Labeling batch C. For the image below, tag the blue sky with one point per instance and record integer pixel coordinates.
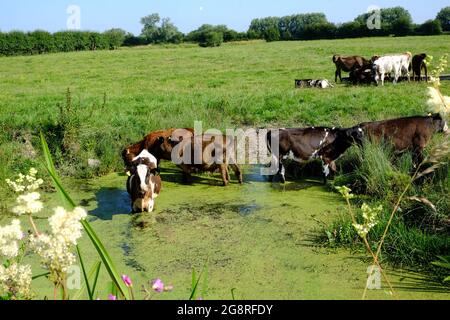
(101, 15)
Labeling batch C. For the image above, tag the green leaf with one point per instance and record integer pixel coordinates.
(40, 276)
(109, 265)
(86, 279)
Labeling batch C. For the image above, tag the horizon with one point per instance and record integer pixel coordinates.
(52, 16)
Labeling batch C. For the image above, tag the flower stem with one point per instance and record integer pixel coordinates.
(33, 225)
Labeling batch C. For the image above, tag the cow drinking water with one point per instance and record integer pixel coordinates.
(144, 183)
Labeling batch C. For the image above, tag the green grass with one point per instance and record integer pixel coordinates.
(239, 84)
(119, 96)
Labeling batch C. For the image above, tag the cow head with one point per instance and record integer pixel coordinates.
(336, 57)
(345, 138)
(440, 124)
(144, 184)
(375, 73)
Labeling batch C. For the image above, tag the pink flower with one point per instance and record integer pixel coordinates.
(127, 281)
(112, 297)
(158, 285)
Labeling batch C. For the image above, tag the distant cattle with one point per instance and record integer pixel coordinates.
(397, 65)
(418, 64)
(306, 144)
(203, 153)
(322, 84)
(144, 183)
(153, 143)
(413, 133)
(348, 64)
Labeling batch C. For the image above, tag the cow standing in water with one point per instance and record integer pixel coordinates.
(307, 144)
(412, 133)
(144, 183)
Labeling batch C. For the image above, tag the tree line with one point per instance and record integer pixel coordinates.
(395, 21)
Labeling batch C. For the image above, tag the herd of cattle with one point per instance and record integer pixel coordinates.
(379, 67)
(302, 145)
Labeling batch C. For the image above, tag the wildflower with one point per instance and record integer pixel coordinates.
(32, 182)
(370, 216)
(438, 102)
(28, 204)
(55, 254)
(9, 235)
(66, 226)
(127, 281)
(112, 297)
(157, 285)
(345, 192)
(15, 280)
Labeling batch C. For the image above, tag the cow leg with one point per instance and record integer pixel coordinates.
(382, 79)
(336, 74)
(225, 174)
(187, 176)
(238, 173)
(282, 173)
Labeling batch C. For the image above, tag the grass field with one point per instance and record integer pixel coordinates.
(119, 96)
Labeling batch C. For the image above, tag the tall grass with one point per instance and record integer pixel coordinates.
(419, 230)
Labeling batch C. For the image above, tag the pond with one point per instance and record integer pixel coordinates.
(258, 239)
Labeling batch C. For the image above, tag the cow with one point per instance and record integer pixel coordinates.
(347, 64)
(396, 64)
(418, 64)
(215, 153)
(322, 84)
(412, 133)
(144, 183)
(306, 144)
(153, 143)
(362, 75)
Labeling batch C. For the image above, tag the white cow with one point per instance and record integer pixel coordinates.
(393, 64)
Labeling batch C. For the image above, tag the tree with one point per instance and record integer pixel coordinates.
(392, 19)
(444, 17)
(211, 39)
(115, 38)
(430, 27)
(169, 33)
(150, 30)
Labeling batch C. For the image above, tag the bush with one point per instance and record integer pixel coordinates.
(211, 39)
(444, 17)
(43, 42)
(115, 38)
(430, 27)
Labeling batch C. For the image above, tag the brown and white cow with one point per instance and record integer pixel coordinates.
(306, 144)
(203, 153)
(412, 133)
(348, 64)
(144, 183)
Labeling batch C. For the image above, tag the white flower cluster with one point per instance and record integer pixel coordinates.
(16, 280)
(55, 249)
(27, 203)
(436, 73)
(32, 183)
(370, 216)
(9, 237)
(438, 102)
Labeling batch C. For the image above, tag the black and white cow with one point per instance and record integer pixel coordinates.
(307, 144)
(144, 182)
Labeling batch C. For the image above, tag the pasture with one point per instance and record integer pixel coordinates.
(251, 237)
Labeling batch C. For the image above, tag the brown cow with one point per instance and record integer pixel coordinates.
(205, 159)
(413, 133)
(418, 64)
(153, 143)
(348, 64)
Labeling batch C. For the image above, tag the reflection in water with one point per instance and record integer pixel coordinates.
(111, 202)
